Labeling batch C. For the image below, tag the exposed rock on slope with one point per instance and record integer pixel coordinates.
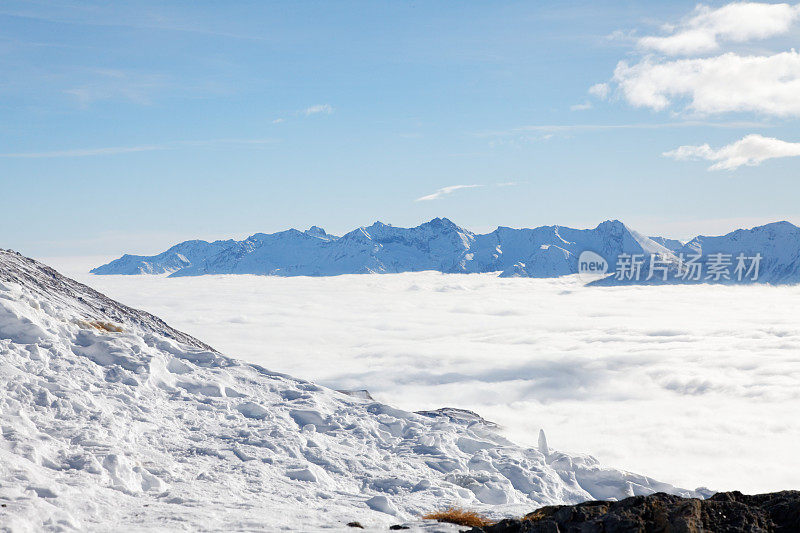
(112, 419)
(725, 512)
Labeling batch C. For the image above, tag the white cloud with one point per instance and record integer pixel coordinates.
(581, 107)
(557, 359)
(736, 22)
(94, 85)
(444, 191)
(550, 129)
(277, 121)
(319, 108)
(751, 150)
(600, 90)
(725, 83)
(767, 83)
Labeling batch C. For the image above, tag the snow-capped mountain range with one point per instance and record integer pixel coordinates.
(437, 245)
(112, 420)
(441, 245)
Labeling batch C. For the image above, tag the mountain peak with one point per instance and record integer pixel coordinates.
(442, 223)
(318, 232)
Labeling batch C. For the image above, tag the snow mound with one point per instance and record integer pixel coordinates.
(111, 419)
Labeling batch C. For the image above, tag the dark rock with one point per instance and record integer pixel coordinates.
(361, 394)
(459, 416)
(355, 524)
(725, 512)
(397, 527)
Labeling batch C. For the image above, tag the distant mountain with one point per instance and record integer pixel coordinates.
(438, 245)
(551, 251)
(178, 257)
(764, 254)
(669, 244)
(778, 243)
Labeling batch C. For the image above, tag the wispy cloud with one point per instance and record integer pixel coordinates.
(444, 191)
(115, 150)
(752, 150)
(326, 109)
(137, 19)
(94, 85)
(568, 128)
(581, 107)
(83, 152)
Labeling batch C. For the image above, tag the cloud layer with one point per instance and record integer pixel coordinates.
(751, 150)
(679, 383)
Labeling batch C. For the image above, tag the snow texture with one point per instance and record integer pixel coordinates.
(112, 420)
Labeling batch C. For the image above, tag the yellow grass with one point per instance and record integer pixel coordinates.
(99, 324)
(460, 517)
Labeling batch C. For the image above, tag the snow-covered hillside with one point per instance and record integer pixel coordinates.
(111, 419)
(438, 245)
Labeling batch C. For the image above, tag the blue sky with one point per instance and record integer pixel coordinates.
(126, 127)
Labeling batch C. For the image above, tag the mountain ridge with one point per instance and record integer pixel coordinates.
(441, 245)
(438, 244)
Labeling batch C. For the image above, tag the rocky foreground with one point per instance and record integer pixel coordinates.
(725, 512)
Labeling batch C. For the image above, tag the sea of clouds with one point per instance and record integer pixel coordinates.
(692, 385)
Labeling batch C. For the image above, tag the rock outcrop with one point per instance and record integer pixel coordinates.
(725, 512)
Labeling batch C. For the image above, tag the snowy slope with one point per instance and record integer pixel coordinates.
(111, 419)
(438, 245)
(669, 244)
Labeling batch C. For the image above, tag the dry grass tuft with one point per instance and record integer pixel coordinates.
(460, 517)
(99, 324)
